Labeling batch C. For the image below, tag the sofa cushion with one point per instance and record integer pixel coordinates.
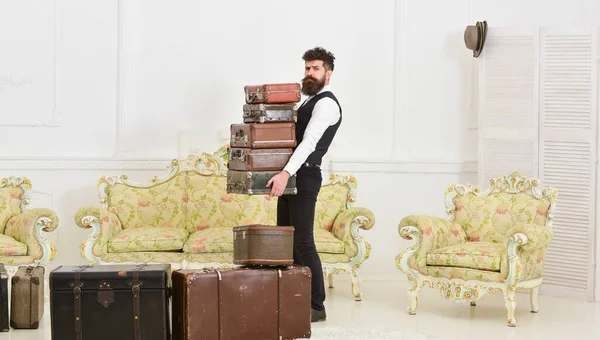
(148, 239)
(488, 218)
(326, 242)
(330, 202)
(11, 247)
(472, 255)
(214, 240)
(162, 205)
(10, 204)
(210, 206)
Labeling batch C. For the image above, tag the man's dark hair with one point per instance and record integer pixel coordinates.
(319, 53)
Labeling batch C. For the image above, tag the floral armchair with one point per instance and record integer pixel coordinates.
(491, 241)
(186, 217)
(21, 238)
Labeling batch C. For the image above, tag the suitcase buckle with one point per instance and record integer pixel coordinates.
(105, 294)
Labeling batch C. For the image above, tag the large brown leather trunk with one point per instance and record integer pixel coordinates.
(263, 136)
(110, 302)
(263, 245)
(246, 159)
(27, 297)
(3, 299)
(255, 183)
(269, 113)
(272, 93)
(242, 303)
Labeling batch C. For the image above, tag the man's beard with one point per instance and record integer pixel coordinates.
(311, 85)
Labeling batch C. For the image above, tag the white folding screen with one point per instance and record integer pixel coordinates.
(538, 109)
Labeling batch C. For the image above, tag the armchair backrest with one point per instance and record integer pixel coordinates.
(14, 192)
(508, 201)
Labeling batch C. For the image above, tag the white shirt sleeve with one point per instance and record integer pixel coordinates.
(325, 113)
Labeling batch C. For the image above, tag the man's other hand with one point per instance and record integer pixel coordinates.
(279, 182)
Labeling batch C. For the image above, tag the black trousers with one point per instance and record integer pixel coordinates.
(298, 211)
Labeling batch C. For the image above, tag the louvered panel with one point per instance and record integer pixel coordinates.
(567, 147)
(508, 117)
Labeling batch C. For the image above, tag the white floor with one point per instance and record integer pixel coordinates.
(384, 307)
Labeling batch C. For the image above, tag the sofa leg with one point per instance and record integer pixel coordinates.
(331, 280)
(473, 303)
(413, 295)
(510, 297)
(533, 298)
(356, 286)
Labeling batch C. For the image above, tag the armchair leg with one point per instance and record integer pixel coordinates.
(331, 280)
(355, 285)
(413, 295)
(510, 296)
(533, 298)
(473, 304)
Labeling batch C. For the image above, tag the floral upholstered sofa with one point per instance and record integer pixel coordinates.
(492, 241)
(186, 218)
(21, 238)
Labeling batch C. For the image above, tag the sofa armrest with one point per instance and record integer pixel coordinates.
(346, 228)
(105, 225)
(428, 234)
(27, 228)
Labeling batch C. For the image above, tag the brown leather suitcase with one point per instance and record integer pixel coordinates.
(4, 327)
(268, 113)
(242, 303)
(246, 159)
(263, 136)
(272, 93)
(263, 245)
(27, 297)
(112, 302)
(255, 183)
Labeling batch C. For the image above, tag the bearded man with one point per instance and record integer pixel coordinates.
(319, 118)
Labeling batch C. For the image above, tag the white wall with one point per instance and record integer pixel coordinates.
(135, 84)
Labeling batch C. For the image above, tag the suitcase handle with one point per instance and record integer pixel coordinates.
(239, 136)
(251, 97)
(239, 155)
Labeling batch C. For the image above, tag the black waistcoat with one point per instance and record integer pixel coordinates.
(304, 115)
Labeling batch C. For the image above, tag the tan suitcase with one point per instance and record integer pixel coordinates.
(266, 245)
(27, 297)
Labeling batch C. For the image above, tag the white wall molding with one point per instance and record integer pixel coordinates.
(125, 119)
(354, 166)
(400, 148)
(53, 118)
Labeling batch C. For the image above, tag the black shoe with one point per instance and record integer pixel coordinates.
(317, 315)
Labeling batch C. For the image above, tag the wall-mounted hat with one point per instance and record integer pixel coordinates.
(475, 37)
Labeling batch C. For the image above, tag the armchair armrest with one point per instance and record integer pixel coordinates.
(105, 225)
(346, 228)
(526, 246)
(535, 236)
(428, 233)
(27, 228)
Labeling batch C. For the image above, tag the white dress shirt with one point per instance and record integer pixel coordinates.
(325, 113)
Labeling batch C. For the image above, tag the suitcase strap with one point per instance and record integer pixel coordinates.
(77, 299)
(135, 290)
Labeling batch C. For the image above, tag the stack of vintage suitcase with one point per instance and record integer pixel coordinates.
(261, 146)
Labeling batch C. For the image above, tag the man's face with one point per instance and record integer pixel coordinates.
(315, 77)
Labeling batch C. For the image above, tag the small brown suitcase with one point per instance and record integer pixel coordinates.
(242, 303)
(263, 136)
(246, 159)
(263, 245)
(268, 113)
(27, 297)
(255, 183)
(272, 93)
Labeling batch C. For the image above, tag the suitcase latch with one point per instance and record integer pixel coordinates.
(105, 294)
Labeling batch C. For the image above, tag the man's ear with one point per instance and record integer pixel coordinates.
(328, 73)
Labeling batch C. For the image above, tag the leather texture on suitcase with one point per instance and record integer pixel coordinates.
(268, 113)
(27, 297)
(4, 327)
(272, 93)
(263, 245)
(255, 183)
(110, 302)
(246, 159)
(242, 303)
(263, 136)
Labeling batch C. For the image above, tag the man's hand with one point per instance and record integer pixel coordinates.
(279, 182)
